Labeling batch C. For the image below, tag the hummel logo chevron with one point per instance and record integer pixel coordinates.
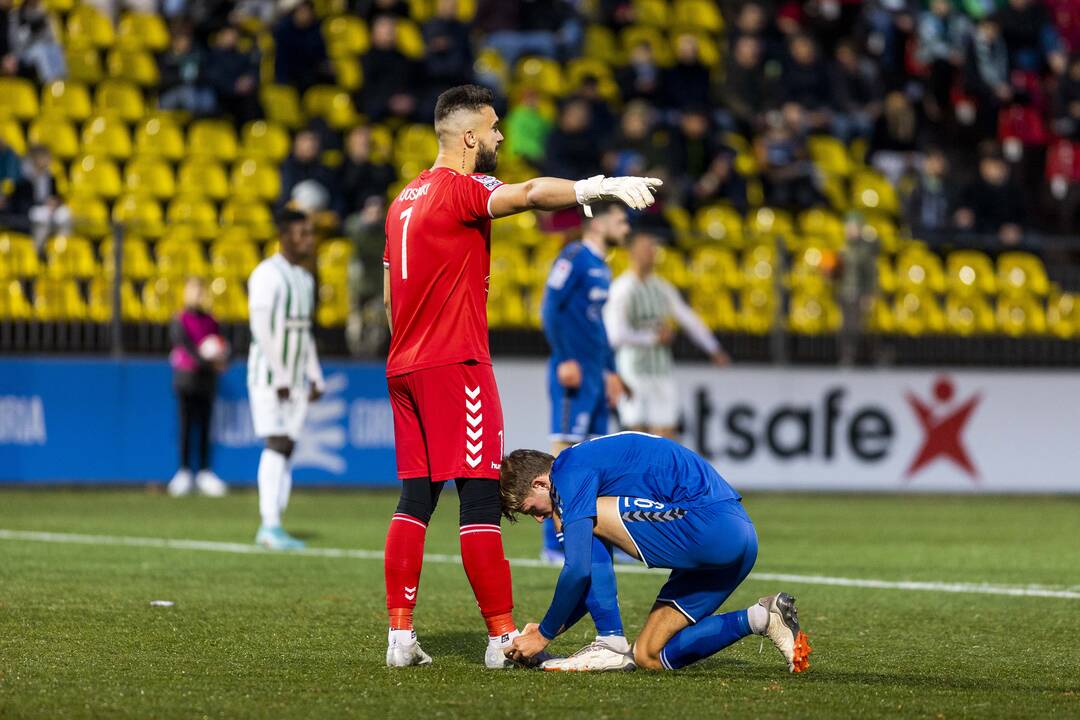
(472, 407)
(474, 434)
(474, 420)
(410, 593)
(473, 461)
(654, 515)
(473, 449)
(472, 393)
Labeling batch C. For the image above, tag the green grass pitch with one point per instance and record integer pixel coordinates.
(291, 636)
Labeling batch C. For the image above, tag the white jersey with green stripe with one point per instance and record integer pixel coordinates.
(284, 293)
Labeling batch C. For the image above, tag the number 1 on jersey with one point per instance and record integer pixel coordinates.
(405, 214)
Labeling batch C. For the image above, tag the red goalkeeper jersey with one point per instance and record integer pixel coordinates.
(438, 252)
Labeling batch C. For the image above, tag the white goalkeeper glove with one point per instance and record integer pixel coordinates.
(636, 192)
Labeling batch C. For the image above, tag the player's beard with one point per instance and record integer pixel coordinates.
(486, 159)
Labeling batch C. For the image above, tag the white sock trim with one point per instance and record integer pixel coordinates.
(271, 469)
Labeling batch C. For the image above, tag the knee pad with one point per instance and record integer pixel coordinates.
(480, 502)
(419, 496)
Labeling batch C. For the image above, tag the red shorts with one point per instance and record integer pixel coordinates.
(448, 423)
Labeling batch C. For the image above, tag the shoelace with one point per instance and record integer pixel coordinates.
(589, 648)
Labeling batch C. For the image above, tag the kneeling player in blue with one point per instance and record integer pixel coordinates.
(667, 507)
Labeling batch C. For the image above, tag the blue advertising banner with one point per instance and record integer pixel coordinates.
(105, 421)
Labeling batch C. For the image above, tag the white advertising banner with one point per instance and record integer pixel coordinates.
(864, 430)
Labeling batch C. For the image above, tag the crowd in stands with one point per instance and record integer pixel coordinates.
(970, 107)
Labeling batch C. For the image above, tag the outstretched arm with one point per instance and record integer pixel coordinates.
(547, 193)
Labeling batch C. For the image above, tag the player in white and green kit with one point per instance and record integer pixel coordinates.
(641, 315)
(283, 367)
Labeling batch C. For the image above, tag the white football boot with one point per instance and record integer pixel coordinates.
(605, 654)
(180, 484)
(784, 631)
(495, 654)
(210, 484)
(402, 650)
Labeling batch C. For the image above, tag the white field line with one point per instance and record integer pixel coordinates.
(250, 549)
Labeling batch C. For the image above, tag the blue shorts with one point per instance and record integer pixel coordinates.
(710, 550)
(580, 413)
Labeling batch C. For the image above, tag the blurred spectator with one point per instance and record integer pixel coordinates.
(9, 63)
(527, 128)
(639, 79)
(806, 81)
(10, 175)
(686, 83)
(35, 50)
(390, 78)
(693, 149)
(234, 75)
(856, 92)
(896, 136)
(508, 28)
(784, 160)
(638, 149)
(449, 56)
(745, 93)
(181, 69)
(720, 183)
(987, 66)
(198, 355)
(928, 209)
(37, 196)
(944, 33)
(991, 204)
(304, 167)
(572, 148)
(603, 119)
(362, 177)
(1030, 36)
(370, 9)
(1066, 102)
(1066, 16)
(300, 56)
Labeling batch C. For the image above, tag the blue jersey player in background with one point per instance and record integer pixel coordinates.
(666, 506)
(581, 373)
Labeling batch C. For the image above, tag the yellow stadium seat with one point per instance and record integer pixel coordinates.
(59, 6)
(348, 73)
(1019, 315)
(194, 212)
(713, 268)
(886, 275)
(1021, 273)
(20, 98)
(918, 313)
(162, 299)
(698, 14)
(101, 297)
(746, 163)
(652, 13)
(159, 137)
(58, 299)
(873, 192)
(417, 142)
(13, 302)
(232, 259)
(137, 31)
(716, 308)
(333, 308)
(270, 248)
(542, 74)
(66, 99)
(671, 265)
(881, 228)
(757, 309)
(346, 36)
(830, 155)
(509, 264)
(333, 258)
(768, 224)
(119, 98)
(720, 223)
(135, 263)
(106, 136)
(968, 314)
(262, 139)
(490, 63)
(203, 177)
(70, 257)
(19, 255)
(809, 268)
(93, 176)
(252, 215)
(601, 43)
(970, 271)
(282, 106)
(332, 104)
(255, 179)
(89, 216)
(212, 139)
(636, 34)
(229, 299)
(89, 27)
(880, 318)
(139, 214)
(178, 259)
(813, 314)
(822, 227)
(137, 66)
(409, 40)
(329, 8)
(150, 175)
(1063, 315)
(12, 135)
(84, 64)
(759, 265)
(919, 270)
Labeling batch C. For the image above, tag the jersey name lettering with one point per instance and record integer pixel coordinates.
(414, 193)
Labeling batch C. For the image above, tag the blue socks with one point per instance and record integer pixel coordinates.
(707, 637)
(603, 597)
(552, 541)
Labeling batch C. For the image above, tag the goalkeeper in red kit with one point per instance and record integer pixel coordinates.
(447, 416)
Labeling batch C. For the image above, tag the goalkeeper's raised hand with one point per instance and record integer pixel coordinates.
(635, 192)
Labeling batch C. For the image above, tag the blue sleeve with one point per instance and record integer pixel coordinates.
(573, 580)
(560, 284)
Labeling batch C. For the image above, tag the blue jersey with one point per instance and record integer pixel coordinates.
(572, 311)
(634, 465)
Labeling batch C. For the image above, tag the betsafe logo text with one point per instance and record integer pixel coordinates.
(836, 424)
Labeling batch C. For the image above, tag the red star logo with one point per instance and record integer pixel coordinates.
(943, 433)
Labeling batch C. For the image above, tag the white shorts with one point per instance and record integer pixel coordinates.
(271, 416)
(653, 403)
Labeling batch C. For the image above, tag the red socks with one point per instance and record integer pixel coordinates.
(489, 574)
(402, 560)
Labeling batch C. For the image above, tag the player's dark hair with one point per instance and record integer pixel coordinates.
(287, 217)
(462, 97)
(600, 209)
(518, 470)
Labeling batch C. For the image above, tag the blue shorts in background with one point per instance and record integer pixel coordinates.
(581, 413)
